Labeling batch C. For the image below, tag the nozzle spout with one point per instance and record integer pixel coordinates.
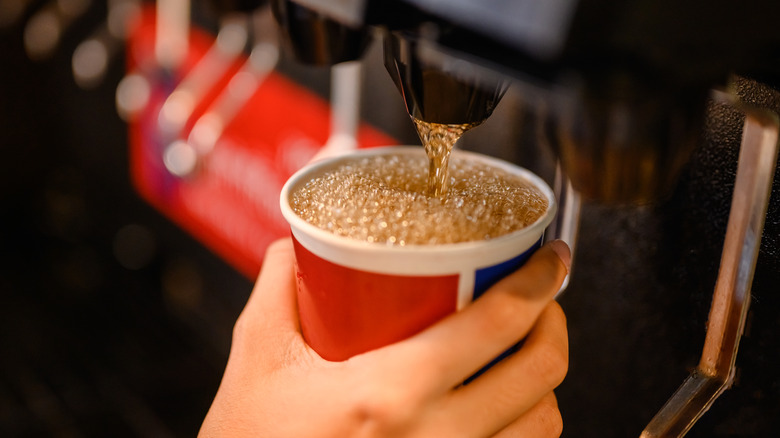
(435, 93)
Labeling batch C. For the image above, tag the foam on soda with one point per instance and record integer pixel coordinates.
(385, 199)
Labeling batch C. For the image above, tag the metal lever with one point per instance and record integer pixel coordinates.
(566, 224)
(345, 88)
(179, 157)
(172, 32)
(730, 300)
(209, 127)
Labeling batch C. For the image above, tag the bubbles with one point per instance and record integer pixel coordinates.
(384, 199)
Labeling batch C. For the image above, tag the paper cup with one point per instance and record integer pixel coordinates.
(356, 296)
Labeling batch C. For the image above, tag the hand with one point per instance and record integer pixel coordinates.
(276, 386)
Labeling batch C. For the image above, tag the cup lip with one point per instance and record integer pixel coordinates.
(327, 238)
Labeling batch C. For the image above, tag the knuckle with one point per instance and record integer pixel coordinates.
(550, 419)
(543, 420)
(383, 410)
(551, 363)
(557, 313)
(507, 314)
(510, 307)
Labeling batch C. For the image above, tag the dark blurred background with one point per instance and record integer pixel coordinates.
(115, 322)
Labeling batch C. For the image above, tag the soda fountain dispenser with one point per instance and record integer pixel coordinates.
(628, 89)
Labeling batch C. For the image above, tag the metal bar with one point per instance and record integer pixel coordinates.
(566, 224)
(172, 32)
(731, 298)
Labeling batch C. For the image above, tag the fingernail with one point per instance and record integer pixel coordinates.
(562, 249)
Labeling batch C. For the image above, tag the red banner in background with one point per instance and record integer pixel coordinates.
(230, 202)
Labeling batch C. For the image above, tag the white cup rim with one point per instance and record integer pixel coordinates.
(344, 249)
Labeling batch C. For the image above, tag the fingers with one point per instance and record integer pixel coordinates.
(462, 343)
(518, 383)
(543, 420)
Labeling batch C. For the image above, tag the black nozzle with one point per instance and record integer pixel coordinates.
(434, 92)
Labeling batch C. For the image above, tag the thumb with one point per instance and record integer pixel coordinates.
(272, 306)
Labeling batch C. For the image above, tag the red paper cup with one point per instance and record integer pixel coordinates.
(355, 296)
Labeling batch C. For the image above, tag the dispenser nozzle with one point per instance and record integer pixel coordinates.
(435, 93)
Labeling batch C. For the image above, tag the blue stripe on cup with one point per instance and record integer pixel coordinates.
(487, 277)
